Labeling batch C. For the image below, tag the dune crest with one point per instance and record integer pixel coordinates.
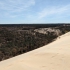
(54, 56)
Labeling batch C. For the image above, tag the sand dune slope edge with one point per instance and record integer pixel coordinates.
(54, 56)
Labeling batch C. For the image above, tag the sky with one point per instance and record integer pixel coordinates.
(34, 11)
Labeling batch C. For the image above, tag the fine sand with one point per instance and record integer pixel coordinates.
(54, 56)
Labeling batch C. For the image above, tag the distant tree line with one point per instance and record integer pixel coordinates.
(20, 40)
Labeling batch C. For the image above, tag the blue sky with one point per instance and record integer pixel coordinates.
(34, 11)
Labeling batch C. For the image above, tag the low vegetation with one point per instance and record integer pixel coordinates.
(18, 40)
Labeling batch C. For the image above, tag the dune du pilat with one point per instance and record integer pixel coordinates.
(35, 47)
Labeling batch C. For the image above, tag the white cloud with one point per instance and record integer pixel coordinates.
(15, 6)
(54, 11)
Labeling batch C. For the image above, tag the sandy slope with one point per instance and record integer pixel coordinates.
(54, 56)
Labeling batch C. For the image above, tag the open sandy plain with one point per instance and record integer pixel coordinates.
(54, 56)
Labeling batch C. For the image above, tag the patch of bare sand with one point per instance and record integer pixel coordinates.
(54, 56)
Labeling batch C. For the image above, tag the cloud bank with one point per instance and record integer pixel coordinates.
(15, 7)
(54, 11)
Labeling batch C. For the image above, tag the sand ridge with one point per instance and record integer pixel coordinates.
(54, 56)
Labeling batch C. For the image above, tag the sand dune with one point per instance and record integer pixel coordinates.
(54, 56)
